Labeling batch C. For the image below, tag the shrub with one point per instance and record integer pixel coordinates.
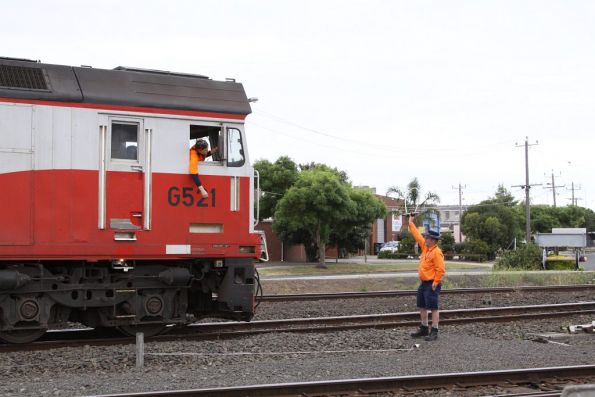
(459, 247)
(557, 262)
(475, 250)
(560, 265)
(384, 255)
(526, 257)
(447, 243)
(394, 255)
(407, 242)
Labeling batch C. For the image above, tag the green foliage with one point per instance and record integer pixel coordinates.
(394, 255)
(447, 242)
(352, 231)
(544, 218)
(459, 247)
(561, 265)
(475, 250)
(407, 243)
(413, 199)
(309, 209)
(323, 167)
(527, 257)
(385, 255)
(275, 179)
(495, 222)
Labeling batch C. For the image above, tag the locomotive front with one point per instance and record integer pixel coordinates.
(101, 223)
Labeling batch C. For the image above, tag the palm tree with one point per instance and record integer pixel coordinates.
(411, 198)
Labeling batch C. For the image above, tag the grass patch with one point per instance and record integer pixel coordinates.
(348, 268)
(497, 279)
(517, 279)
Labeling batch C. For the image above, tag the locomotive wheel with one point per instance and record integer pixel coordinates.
(22, 335)
(147, 329)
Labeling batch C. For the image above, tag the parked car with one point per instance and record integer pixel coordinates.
(390, 246)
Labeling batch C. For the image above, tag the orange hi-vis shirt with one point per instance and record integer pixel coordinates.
(431, 260)
(195, 157)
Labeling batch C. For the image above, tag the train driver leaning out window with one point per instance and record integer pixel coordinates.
(199, 152)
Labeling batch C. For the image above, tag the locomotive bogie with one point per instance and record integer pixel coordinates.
(97, 295)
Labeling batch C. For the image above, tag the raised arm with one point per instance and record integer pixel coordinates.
(416, 234)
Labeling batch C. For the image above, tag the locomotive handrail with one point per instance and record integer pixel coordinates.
(102, 172)
(148, 180)
(257, 177)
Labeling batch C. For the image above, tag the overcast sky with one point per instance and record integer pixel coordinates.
(385, 90)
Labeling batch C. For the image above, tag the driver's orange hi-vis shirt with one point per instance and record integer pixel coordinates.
(195, 158)
(431, 260)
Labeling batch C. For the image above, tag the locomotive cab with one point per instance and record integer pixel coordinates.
(102, 223)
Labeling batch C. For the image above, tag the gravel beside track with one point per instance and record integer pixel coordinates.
(354, 306)
(286, 357)
(291, 357)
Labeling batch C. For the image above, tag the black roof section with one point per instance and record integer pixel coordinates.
(25, 79)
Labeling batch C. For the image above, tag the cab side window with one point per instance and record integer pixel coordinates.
(124, 141)
(211, 134)
(235, 149)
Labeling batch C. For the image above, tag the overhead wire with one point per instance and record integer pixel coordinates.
(367, 145)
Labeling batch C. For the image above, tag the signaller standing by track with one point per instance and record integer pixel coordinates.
(431, 271)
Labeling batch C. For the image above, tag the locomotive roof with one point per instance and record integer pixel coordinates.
(26, 79)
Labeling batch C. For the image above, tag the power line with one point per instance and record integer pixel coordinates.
(392, 149)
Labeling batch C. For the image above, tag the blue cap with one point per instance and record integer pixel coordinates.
(432, 234)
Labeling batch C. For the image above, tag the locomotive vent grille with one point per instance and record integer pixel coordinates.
(22, 77)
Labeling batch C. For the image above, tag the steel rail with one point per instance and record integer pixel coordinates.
(221, 330)
(377, 294)
(385, 384)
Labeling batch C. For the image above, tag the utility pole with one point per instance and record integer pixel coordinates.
(460, 209)
(573, 199)
(553, 187)
(527, 187)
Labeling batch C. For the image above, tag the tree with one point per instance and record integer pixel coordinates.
(495, 221)
(544, 218)
(311, 207)
(319, 166)
(355, 229)
(447, 243)
(275, 179)
(413, 199)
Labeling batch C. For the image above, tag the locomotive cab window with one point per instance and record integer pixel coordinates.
(235, 149)
(213, 136)
(124, 141)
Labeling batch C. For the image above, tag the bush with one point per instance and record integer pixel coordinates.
(558, 262)
(407, 242)
(394, 255)
(526, 257)
(459, 248)
(447, 243)
(384, 255)
(475, 250)
(560, 265)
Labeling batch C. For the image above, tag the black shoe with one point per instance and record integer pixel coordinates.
(423, 331)
(433, 335)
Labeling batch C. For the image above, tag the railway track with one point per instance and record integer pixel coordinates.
(536, 382)
(377, 294)
(210, 331)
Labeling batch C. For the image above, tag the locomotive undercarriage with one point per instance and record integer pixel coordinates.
(131, 296)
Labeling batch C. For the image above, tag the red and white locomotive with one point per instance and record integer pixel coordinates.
(100, 222)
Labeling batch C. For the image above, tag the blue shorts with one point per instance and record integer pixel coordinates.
(426, 297)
